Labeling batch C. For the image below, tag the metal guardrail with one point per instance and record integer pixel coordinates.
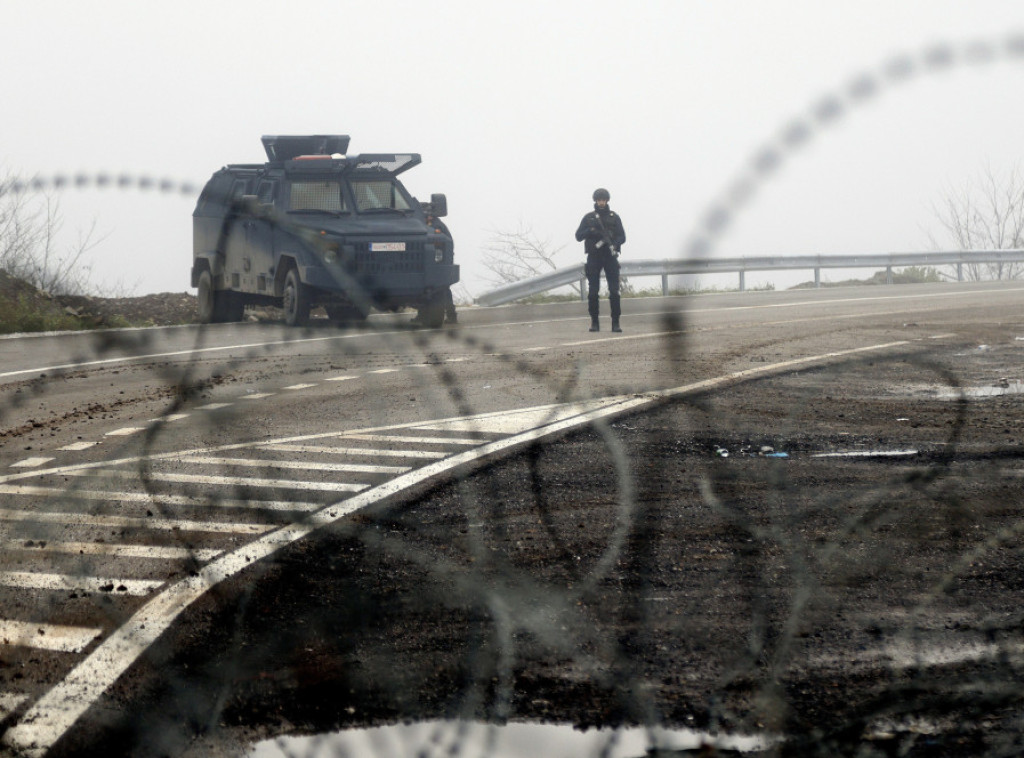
(681, 266)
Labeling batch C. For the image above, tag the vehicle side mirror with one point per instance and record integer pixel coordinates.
(440, 204)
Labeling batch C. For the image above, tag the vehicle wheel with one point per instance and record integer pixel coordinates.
(207, 298)
(296, 300)
(431, 315)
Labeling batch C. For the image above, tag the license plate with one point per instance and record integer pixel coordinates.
(387, 247)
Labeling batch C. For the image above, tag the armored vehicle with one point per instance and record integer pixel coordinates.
(316, 227)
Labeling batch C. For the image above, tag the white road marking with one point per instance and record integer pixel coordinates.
(62, 639)
(85, 519)
(299, 386)
(157, 501)
(213, 406)
(384, 371)
(513, 422)
(157, 552)
(867, 454)
(340, 378)
(231, 481)
(78, 446)
(31, 462)
(166, 419)
(125, 431)
(368, 451)
(422, 440)
(366, 468)
(257, 396)
(55, 712)
(31, 580)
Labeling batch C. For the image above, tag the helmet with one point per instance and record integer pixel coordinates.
(601, 194)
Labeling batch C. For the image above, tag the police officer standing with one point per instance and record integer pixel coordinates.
(602, 236)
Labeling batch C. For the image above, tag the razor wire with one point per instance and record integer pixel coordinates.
(508, 597)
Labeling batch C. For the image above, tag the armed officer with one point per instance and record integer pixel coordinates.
(602, 235)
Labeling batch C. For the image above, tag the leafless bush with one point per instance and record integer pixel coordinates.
(30, 248)
(987, 214)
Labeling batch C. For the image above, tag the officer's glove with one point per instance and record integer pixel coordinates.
(600, 244)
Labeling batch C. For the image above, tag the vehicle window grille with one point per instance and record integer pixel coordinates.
(407, 262)
(316, 196)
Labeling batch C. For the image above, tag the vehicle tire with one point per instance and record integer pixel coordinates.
(207, 298)
(295, 300)
(431, 315)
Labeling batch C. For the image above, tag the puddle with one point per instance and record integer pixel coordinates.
(433, 739)
(944, 392)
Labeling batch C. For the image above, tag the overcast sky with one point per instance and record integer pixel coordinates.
(521, 109)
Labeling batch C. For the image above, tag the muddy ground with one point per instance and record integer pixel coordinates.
(693, 566)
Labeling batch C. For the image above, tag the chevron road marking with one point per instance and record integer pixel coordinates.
(57, 710)
(63, 639)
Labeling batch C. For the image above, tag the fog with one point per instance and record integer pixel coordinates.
(520, 110)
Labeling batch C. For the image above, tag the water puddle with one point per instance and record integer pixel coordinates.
(433, 739)
(999, 388)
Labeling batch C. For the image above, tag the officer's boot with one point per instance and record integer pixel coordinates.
(595, 325)
(615, 325)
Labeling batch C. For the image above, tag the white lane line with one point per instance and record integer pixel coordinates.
(158, 502)
(365, 468)
(213, 406)
(117, 550)
(384, 371)
(62, 639)
(29, 580)
(9, 701)
(423, 440)
(232, 481)
(257, 396)
(31, 462)
(340, 378)
(85, 519)
(125, 431)
(56, 711)
(167, 419)
(299, 386)
(74, 446)
(367, 451)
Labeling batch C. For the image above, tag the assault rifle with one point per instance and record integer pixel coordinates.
(606, 237)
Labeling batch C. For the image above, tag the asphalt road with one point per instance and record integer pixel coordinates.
(140, 467)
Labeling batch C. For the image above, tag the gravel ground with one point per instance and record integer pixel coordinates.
(694, 566)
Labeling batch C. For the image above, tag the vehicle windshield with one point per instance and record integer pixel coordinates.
(316, 195)
(378, 195)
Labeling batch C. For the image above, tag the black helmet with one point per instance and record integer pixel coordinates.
(601, 194)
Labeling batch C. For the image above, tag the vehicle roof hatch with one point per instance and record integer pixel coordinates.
(289, 147)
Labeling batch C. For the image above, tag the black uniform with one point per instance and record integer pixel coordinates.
(602, 256)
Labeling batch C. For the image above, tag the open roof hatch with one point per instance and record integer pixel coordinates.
(286, 147)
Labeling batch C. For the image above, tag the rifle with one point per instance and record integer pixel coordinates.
(607, 238)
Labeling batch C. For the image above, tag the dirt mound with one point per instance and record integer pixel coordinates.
(162, 309)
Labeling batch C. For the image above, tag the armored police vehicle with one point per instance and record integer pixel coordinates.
(316, 227)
